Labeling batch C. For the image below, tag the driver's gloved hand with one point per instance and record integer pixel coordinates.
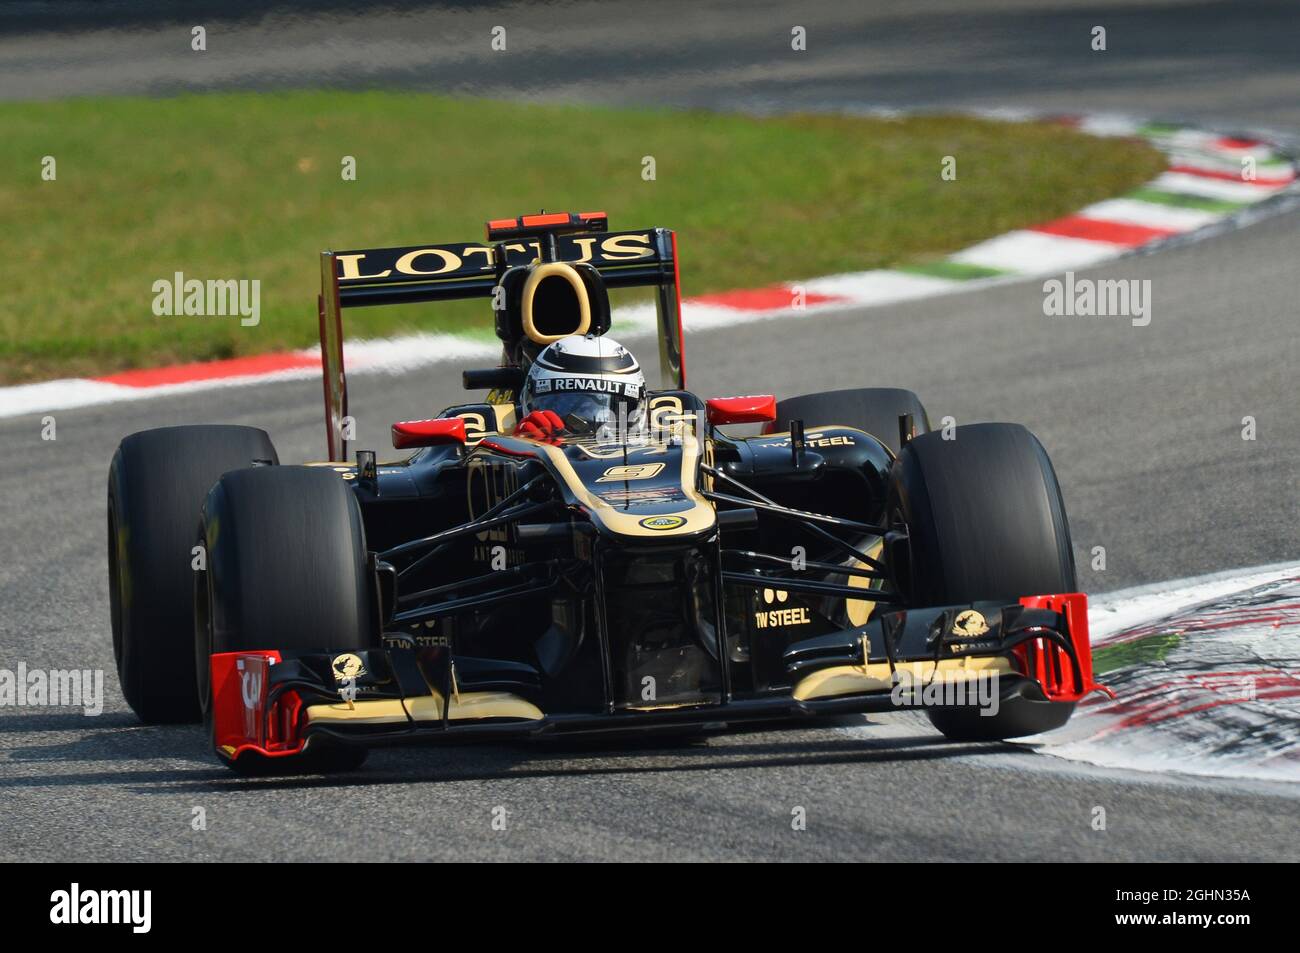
(543, 425)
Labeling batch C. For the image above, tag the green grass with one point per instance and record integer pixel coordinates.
(248, 186)
(1147, 650)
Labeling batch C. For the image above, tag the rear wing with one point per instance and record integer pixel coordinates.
(445, 272)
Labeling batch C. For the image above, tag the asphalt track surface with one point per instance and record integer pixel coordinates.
(1142, 423)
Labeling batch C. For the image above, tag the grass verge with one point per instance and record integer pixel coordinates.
(247, 185)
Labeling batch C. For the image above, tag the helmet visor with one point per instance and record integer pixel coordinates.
(586, 412)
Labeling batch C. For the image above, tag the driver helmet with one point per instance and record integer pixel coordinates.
(592, 383)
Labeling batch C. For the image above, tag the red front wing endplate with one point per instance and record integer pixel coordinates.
(1048, 663)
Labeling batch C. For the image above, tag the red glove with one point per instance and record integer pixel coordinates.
(541, 425)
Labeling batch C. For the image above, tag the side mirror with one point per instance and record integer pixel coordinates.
(742, 410)
(428, 433)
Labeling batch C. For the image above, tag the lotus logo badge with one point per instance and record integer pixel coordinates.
(659, 523)
(347, 666)
(970, 623)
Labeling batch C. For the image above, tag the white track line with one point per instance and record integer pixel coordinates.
(1149, 214)
(1111, 613)
(1026, 252)
(1212, 188)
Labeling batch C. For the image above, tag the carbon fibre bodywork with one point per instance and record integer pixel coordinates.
(528, 589)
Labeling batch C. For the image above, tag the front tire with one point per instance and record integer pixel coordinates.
(287, 570)
(985, 522)
(156, 485)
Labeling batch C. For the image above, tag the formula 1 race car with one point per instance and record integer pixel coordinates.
(576, 553)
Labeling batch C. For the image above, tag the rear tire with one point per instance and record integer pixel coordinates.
(874, 410)
(287, 570)
(986, 522)
(156, 485)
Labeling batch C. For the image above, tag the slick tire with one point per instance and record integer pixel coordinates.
(985, 521)
(287, 570)
(156, 486)
(872, 409)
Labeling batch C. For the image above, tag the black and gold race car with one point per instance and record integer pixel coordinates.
(493, 585)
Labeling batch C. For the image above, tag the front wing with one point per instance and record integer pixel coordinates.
(276, 705)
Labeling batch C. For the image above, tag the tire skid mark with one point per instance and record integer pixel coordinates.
(1208, 689)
